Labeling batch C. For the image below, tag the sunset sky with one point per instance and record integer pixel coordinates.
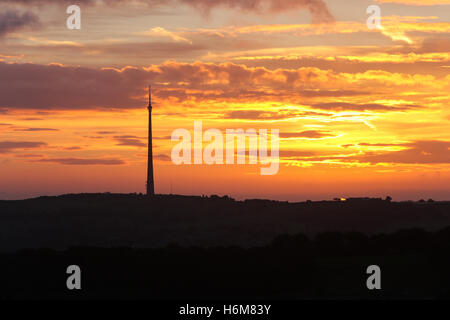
(361, 112)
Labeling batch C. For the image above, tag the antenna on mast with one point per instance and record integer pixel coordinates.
(149, 96)
(150, 181)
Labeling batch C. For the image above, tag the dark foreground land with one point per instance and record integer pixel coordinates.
(414, 264)
(111, 220)
(174, 247)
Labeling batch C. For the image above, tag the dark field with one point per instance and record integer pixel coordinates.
(174, 247)
(414, 265)
(111, 220)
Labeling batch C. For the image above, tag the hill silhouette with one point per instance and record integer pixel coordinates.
(414, 265)
(109, 220)
(180, 247)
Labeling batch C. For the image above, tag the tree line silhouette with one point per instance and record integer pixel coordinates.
(111, 220)
(414, 264)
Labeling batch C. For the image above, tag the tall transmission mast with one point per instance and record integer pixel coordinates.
(150, 181)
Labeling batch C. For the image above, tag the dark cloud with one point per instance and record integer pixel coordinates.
(419, 152)
(349, 66)
(5, 124)
(289, 154)
(162, 138)
(63, 87)
(36, 129)
(430, 44)
(8, 146)
(127, 137)
(311, 134)
(162, 157)
(331, 93)
(268, 115)
(362, 107)
(72, 148)
(132, 141)
(57, 87)
(435, 45)
(13, 20)
(296, 153)
(317, 8)
(81, 161)
(140, 50)
(365, 144)
(106, 132)
(254, 115)
(31, 119)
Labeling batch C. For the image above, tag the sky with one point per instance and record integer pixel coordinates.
(361, 111)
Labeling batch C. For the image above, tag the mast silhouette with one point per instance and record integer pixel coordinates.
(150, 182)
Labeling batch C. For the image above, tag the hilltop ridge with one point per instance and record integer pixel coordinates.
(105, 219)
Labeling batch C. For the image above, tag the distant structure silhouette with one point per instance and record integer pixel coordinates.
(150, 182)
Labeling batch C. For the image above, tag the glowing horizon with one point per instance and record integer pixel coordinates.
(361, 112)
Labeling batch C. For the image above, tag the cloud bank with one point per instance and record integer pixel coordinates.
(317, 8)
(14, 20)
(8, 146)
(32, 86)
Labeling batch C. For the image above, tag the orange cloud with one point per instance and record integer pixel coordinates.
(392, 26)
(60, 87)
